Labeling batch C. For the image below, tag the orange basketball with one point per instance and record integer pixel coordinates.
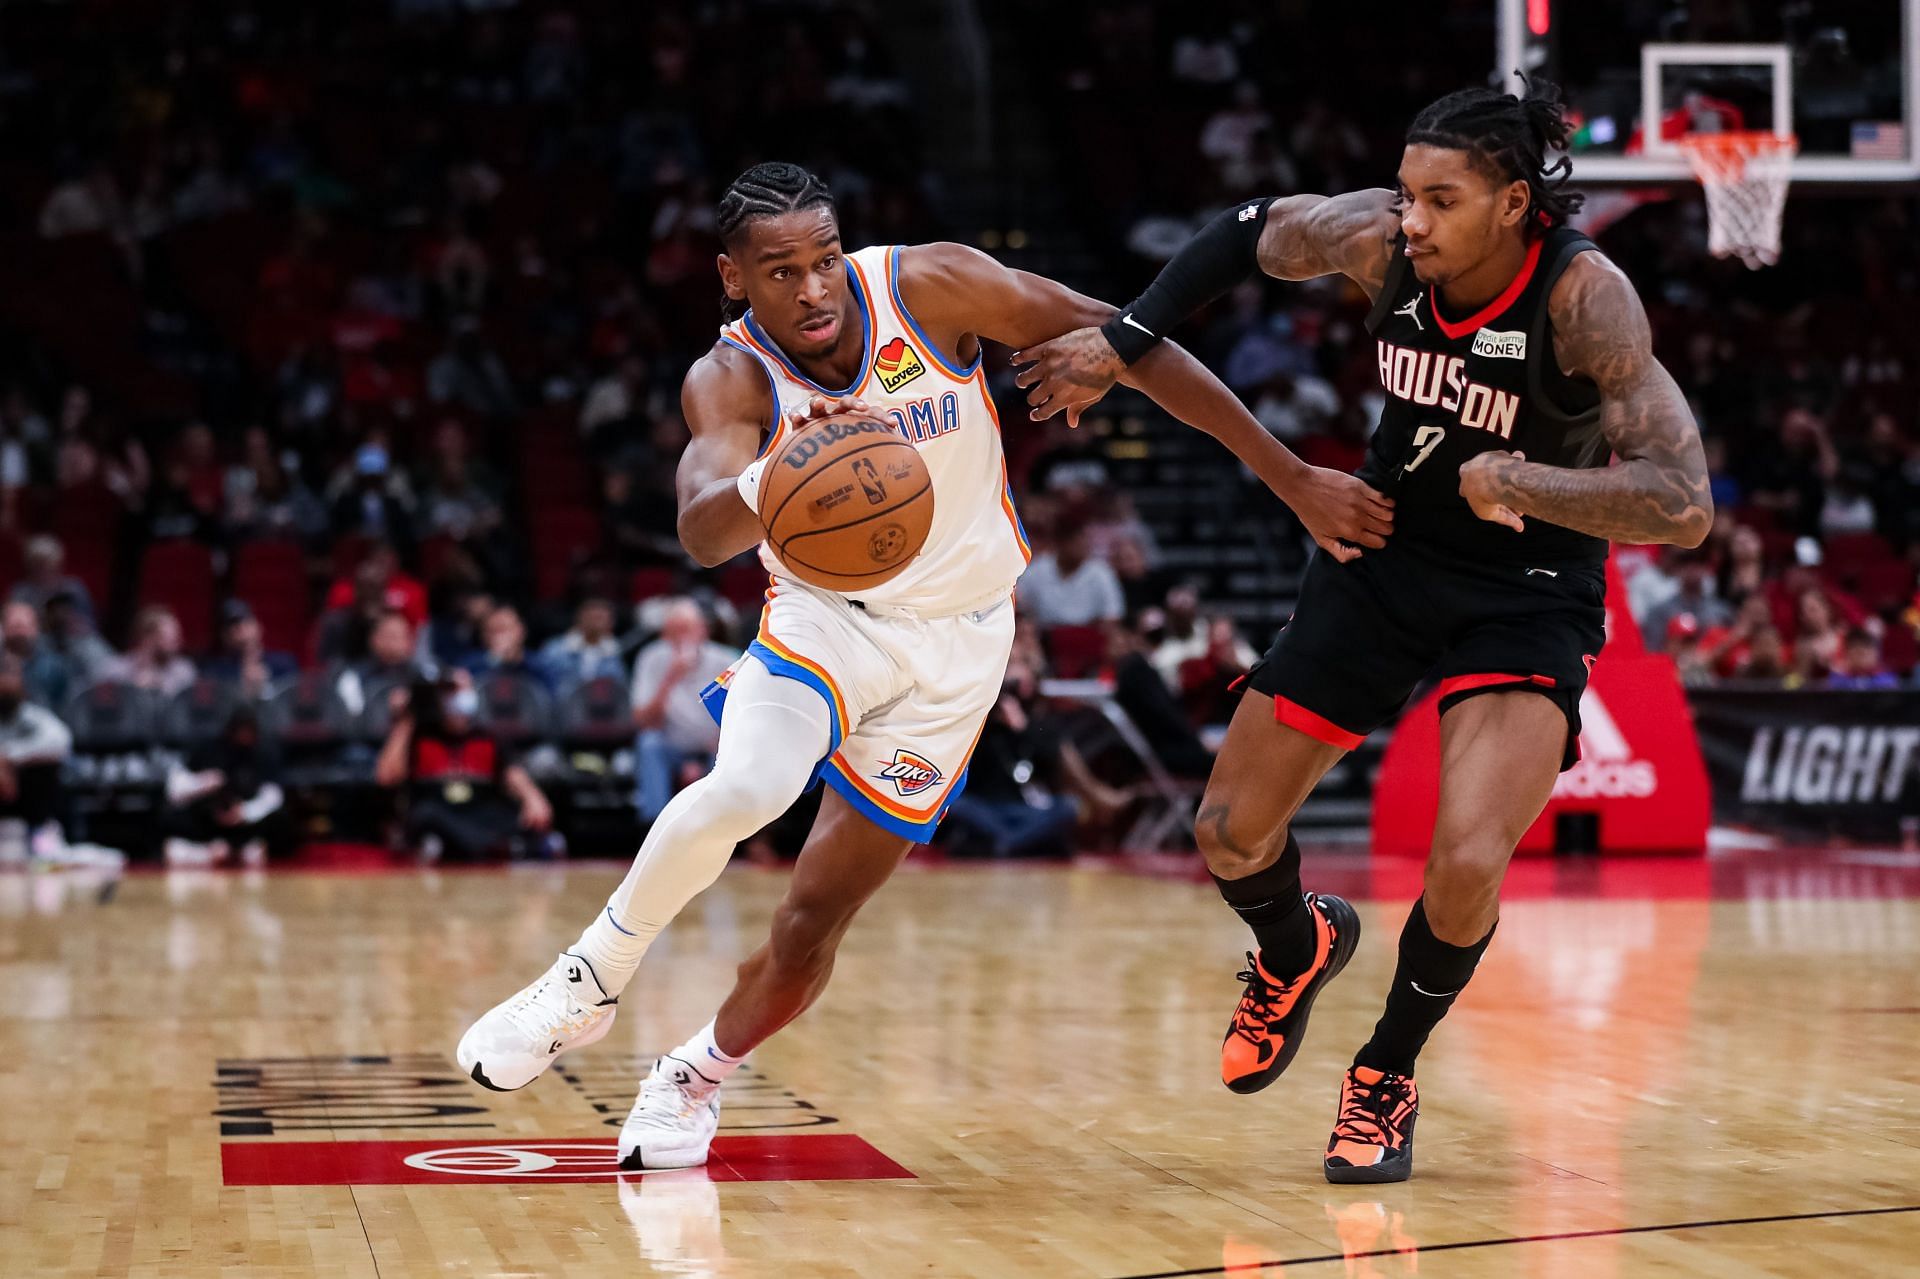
(846, 502)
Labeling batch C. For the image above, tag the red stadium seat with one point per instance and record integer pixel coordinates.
(271, 576)
(1076, 651)
(649, 582)
(178, 573)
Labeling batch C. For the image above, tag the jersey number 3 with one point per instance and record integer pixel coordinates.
(1425, 441)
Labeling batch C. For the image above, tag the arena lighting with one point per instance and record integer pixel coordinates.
(1539, 16)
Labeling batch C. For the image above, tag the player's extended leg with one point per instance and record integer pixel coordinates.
(846, 859)
(1499, 756)
(773, 733)
(1263, 773)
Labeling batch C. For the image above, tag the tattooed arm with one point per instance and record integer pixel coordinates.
(1304, 236)
(1308, 236)
(1658, 490)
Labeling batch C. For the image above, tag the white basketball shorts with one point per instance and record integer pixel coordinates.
(908, 695)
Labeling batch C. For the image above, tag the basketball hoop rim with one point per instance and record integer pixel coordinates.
(1741, 142)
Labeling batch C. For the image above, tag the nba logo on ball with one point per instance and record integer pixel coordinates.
(897, 364)
(909, 773)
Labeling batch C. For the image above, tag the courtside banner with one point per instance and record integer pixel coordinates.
(1815, 761)
(1639, 779)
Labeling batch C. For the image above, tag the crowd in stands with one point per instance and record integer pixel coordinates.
(343, 355)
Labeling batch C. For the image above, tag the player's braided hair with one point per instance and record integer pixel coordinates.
(1509, 136)
(764, 191)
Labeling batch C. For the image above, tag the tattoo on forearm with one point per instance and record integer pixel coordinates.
(1659, 492)
(1308, 236)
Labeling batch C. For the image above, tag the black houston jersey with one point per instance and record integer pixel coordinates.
(1456, 389)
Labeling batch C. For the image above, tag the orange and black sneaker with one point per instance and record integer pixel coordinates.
(1373, 1136)
(1271, 1020)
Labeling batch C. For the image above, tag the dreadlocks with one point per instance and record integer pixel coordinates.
(764, 191)
(1509, 138)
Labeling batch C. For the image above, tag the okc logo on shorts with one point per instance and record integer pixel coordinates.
(909, 773)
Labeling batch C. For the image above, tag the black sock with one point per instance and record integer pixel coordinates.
(1271, 902)
(1426, 964)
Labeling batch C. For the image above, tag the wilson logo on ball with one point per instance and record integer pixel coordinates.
(801, 450)
(897, 364)
(909, 773)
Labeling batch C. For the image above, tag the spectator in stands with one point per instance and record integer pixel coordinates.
(1115, 521)
(1765, 658)
(458, 503)
(678, 736)
(1140, 586)
(70, 637)
(466, 796)
(1887, 468)
(640, 523)
(1860, 665)
(155, 662)
(1027, 785)
(1791, 479)
(616, 398)
(1695, 597)
(43, 575)
(1152, 706)
(468, 375)
(33, 746)
(1683, 644)
(389, 662)
(1818, 635)
(242, 658)
(1847, 509)
(1067, 586)
(587, 652)
(1744, 570)
(1190, 637)
(264, 499)
(456, 637)
(226, 794)
(371, 500)
(379, 580)
(44, 676)
(506, 652)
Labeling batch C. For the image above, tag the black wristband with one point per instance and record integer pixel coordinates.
(1224, 252)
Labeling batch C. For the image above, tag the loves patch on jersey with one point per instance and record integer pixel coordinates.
(897, 364)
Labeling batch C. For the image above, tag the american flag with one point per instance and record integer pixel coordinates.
(1874, 140)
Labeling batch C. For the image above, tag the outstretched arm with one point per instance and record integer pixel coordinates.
(1658, 490)
(1297, 237)
(961, 294)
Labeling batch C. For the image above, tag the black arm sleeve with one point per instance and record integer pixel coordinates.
(1225, 252)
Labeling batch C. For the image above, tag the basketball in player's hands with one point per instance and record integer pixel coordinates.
(847, 503)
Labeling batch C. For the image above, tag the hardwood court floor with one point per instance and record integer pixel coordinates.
(1659, 1071)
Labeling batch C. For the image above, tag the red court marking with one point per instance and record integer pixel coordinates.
(531, 1160)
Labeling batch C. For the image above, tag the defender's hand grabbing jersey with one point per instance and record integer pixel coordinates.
(1476, 604)
(910, 668)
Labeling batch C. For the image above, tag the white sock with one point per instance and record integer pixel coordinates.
(773, 733)
(704, 1056)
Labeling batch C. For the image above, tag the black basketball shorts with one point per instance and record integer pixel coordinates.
(1365, 634)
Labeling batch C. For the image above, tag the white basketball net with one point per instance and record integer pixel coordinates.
(1745, 175)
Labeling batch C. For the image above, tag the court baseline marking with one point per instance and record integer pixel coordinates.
(1494, 1243)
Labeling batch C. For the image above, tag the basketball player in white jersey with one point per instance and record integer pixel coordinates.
(880, 695)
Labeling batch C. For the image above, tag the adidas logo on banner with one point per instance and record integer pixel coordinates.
(1608, 768)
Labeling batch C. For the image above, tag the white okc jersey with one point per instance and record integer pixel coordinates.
(976, 548)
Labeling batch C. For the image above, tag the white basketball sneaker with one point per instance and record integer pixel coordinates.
(672, 1123)
(516, 1040)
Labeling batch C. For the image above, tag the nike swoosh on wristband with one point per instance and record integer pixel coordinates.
(1432, 994)
(1128, 319)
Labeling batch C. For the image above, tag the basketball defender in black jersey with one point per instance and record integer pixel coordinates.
(1526, 424)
